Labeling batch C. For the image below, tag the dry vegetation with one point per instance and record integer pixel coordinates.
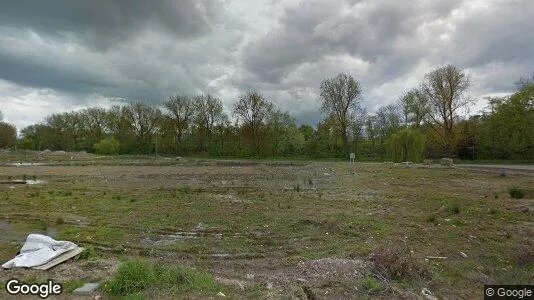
(274, 229)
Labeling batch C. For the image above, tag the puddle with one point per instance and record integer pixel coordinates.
(165, 240)
(29, 181)
(37, 181)
(23, 164)
(5, 226)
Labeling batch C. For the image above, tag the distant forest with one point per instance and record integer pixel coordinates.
(426, 122)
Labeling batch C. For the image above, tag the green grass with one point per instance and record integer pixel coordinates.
(139, 276)
(372, 285)
(434, 212)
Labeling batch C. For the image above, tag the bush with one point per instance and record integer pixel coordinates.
(132, 277)
(108, 146)
(516, 193)
(372, 286)
(396, 262)
(406, 145)
(135, 277)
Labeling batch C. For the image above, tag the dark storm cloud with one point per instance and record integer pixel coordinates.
(117, 49)
(147, 50)
(101, 23)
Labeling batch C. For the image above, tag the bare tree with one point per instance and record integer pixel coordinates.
(181, 110)
(340, 96)
(522, 83)
(444, 88)
(254, 111)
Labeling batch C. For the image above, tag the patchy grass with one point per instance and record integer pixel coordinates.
(372, 285)
(137, 277)
(236, 218)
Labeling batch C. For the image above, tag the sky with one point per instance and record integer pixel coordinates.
(64, 55)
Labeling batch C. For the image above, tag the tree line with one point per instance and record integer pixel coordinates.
(429, 121)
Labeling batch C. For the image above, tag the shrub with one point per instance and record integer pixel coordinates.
(135, 277)
(406, 145)
(132, 277)
(396, 262)
(107, 146)
(516, 193)
(372, 286)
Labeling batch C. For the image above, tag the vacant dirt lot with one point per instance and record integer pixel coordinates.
(279, 229)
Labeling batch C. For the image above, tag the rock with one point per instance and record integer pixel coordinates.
(503, 172)
(427, 162)
(249, 276)
(408, 164)
(522, 208)
(447, 162)
(97, 297)
(86, 289)
(442, 209)
(220, 294)
(463, 254)
(428, 294)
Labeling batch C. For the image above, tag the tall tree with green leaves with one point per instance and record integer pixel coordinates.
(8, 135)
(413, 107)
(181, 110)
(406, 145)
(208, 114)
(444, 89)
(253, 110)
(340, 99)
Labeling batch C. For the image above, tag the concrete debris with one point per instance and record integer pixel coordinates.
(86, 289)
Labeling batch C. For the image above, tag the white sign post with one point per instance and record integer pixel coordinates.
(352, 158)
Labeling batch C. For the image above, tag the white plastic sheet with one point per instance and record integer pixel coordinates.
(38, 250)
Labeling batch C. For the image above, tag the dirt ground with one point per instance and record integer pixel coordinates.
(276, 230)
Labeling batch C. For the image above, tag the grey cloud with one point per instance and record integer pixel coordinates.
(101, 24)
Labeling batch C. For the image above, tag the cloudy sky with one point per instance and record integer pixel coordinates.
(62, 55)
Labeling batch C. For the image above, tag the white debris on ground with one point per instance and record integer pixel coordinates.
(42, 252)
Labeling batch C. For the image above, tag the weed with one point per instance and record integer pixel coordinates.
(138, 275)
(297, 188)
(493, 211)
(453, 209)
(132, 277)
(515, 193)
(60, 220)
(432, 219)
(396, 262)
(89, 252)
(186, 189)
(116, 197)
(372, 285)
(70, 286)
(33, 194)
(42, 225)
(524, 255)
(133, 200)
